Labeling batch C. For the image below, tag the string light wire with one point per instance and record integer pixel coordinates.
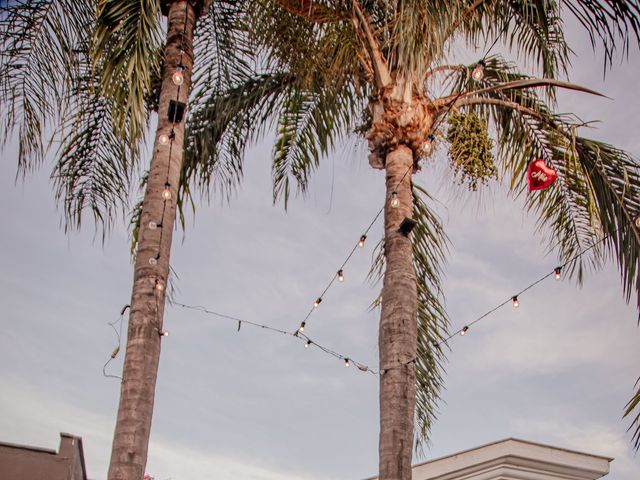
(511, 298)
(298, 335)
(116, 350)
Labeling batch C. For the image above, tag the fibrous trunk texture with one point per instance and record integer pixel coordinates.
(133, 425)
(398, 326)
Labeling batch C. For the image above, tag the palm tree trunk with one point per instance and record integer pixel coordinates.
(133, 425)
(398, 326)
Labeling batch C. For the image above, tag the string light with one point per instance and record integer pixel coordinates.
(638, 221)
(478, 71)
(464, 330)
(363, 239)
(299, 336)
(153, 261)
(166, 193)
(164, 139)
(153, 225)
(340, 275)
(317, 303)
(301, 328)
(159, 286)
(178, 75)
(164, 333)
(558, 273)
(515, 301)
(395, 202)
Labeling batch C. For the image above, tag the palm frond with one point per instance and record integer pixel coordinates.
(611, 23)
(94, 164)
(430, 245)
(309, 124)
(126, 41)
(41, 48)
(634, 405)
(221, 127)
(222, 49)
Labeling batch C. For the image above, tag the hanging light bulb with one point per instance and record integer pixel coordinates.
(464, 330)
(164, 333)
(165, 138)
(159, 286)
(178, 75)
(153, 261)
(395, 201)
(166, 193)
(306, 345)
(558, 272)
(317, 302)
(428, 145)
(515, 301)
(363, 238)
(346, 362)
(638, 221)
(478, 71)
(153, 225)
(301, 329)
(340, 275)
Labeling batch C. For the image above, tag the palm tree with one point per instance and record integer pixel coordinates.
(387, 71)
(90, 81)
(80, 89)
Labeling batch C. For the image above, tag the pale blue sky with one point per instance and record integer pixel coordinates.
(257, 406)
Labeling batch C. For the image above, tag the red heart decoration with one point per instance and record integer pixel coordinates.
(539, 176)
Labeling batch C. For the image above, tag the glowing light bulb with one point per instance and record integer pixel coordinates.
(428, 145)
(178, 75)
(515, 301)
(363, 238)
(166, 193)
(346, 362)
(638, 221)
(306, 345)
(165, 138)
(340, 276)
(301, 329)
(159, 286)
(317, 302)
(558, 272)
(153, 261)
(478, 71)
(164, 333)
(464, 330)
(395, 201)
(153, 225)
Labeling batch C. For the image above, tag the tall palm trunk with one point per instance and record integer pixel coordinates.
(133, 426)
(398, 326)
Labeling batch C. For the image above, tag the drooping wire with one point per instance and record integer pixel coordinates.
(554, 272)
(116, 350)
(298, 335)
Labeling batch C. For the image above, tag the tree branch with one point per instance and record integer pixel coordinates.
(495, 101)
(364, 30)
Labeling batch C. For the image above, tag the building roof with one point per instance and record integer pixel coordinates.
(515, 459)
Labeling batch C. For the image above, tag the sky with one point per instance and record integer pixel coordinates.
(258, 406)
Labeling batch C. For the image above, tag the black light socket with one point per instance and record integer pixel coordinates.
(176, 111)
(407, 226)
